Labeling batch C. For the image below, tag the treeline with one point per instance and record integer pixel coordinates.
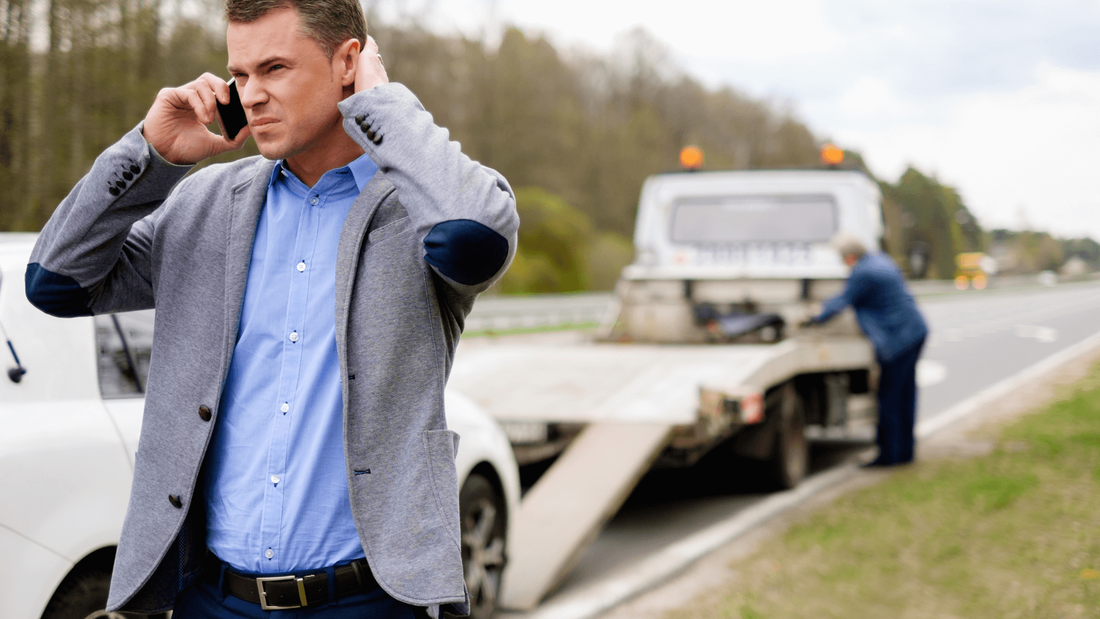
(928, 225)
(575, 133)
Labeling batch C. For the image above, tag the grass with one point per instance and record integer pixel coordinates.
(1015, 533)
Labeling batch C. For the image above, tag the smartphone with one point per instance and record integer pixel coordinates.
(232, 115)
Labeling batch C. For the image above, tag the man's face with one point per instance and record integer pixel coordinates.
(288, 87)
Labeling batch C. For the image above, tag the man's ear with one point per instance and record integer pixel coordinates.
(345, 60)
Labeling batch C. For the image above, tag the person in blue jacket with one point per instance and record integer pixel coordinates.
(889, 317)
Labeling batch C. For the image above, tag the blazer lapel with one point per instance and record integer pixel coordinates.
(246, 204)
(351, 246)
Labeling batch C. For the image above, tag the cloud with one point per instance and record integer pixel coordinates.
(1034, 149)
(996, 97)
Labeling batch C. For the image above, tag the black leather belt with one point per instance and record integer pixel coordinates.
(294, 590)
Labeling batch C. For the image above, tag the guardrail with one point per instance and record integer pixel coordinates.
(511, 313)
(504, 313)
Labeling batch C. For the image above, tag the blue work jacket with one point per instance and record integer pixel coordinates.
(884, 307)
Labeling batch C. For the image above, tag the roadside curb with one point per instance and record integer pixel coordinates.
(589, 602)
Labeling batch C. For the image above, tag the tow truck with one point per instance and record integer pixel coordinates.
(702, 352)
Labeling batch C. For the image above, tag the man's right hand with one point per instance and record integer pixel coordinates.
(176, 124)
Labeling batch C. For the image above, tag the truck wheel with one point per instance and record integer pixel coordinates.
(483, 514)
(791, 452)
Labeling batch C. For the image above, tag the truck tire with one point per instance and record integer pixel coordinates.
(791, 452)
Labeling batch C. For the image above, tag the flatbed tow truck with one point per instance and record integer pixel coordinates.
(701, 352)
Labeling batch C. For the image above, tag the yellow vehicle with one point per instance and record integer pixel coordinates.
(971, 269)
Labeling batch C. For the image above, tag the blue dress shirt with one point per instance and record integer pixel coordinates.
(276, 483)
(884, 308)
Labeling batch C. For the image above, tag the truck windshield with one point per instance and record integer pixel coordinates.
(761, 218)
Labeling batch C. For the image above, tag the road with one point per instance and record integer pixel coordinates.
(977, 340)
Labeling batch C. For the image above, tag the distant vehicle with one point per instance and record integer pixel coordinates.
(972, 270)
(71, 401)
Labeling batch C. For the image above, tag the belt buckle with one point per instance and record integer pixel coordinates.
(261, 581)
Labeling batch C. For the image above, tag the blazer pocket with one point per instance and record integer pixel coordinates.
(441, 446)
(394, 227)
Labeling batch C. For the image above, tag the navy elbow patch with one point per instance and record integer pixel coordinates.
(466, 251)
(55, 294)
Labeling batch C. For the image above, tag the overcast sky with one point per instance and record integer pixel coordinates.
(998, 98)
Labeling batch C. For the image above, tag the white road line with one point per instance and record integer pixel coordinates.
(589, 601)
(928, 427)
(930, 373)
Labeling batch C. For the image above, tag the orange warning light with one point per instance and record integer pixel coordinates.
(691, 158)
(831, 154)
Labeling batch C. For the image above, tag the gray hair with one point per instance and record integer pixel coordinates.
(327, 22)
(848, 244)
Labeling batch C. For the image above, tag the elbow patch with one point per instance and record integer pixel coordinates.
(56, 294)
(465, 251)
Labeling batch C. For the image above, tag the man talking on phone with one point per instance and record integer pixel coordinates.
(294, 454)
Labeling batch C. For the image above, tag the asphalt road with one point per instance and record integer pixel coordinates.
(977, 340)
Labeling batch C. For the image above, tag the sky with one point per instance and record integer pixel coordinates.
(997, 98)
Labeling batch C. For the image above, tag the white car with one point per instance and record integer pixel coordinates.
(71, 399)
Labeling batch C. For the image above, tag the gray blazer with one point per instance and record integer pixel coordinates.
(429, 232)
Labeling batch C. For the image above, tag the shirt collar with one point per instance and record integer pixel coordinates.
(362, 170)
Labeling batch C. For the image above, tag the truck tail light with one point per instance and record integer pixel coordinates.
(752, 408)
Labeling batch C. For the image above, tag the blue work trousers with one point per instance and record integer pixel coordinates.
(897, 407)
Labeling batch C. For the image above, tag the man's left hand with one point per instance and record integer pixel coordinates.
(370, 72)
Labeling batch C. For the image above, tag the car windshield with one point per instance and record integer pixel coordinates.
(759, 218)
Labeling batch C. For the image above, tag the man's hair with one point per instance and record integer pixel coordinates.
(328, 22)
(848, 244)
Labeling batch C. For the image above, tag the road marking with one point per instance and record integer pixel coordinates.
(928, 427)
(930, 373)
(1043, 334)
(589, 601)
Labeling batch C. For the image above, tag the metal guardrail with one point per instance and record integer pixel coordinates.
(506, 313)
(538, 311)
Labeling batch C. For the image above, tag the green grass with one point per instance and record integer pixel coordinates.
(1015, 533)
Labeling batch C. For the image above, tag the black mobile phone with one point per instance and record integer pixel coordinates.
(232, 115)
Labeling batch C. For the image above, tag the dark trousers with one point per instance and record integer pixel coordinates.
(897, 407)
(205, 601)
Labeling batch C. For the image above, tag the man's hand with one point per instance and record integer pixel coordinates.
(176, 124)
(370, 72)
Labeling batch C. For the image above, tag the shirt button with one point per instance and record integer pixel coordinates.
(314, 200)
(274, 479)
(301, 266)
(294, 336)
(285, 407)
(270, 553)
